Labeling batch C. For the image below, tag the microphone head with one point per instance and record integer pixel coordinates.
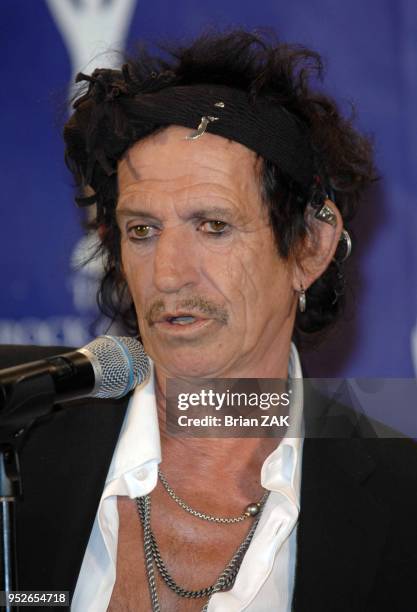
(119, 362)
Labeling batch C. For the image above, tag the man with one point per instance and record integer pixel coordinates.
(222, 185)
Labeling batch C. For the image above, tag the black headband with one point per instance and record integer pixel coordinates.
(262, 126)
(259, 123)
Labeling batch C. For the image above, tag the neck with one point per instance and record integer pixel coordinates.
(234, 462)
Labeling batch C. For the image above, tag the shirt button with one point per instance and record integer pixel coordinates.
(142, 474)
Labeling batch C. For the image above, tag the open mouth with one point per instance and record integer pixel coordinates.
(181, 320)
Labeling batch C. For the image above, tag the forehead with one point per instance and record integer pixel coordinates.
(167, 161)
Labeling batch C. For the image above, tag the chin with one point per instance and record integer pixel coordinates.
(182, 358)
(187, 364)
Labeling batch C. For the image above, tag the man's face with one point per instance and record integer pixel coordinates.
(212, 296)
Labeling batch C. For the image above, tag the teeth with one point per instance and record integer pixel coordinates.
(182, 320)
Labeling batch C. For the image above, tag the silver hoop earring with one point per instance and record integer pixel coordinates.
(344, 236)
(302, 302)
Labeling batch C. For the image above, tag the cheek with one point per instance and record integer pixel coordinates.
(254, 281)
(134, 270)
(235, 277)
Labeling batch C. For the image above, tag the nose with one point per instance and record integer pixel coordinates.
(175, 261)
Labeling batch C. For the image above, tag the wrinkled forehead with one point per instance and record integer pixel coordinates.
(169, 159)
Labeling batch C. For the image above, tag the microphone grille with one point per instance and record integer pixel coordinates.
(120, 363)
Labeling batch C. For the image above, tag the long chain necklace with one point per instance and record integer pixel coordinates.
(152, 555)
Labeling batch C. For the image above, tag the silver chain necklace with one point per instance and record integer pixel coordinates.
(250, 510)
(152, 555)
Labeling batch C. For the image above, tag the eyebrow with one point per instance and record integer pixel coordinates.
(211, 212)
(200, 213)
(135, 212)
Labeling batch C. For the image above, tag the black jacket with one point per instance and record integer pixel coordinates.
(357, 531)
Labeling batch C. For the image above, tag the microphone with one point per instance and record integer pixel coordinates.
(107, 367)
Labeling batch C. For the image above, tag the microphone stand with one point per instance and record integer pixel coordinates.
(21, 403)
(10, 490)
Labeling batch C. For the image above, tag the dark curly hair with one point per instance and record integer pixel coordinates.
(103, 127)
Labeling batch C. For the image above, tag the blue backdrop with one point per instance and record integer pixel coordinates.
(370, 50)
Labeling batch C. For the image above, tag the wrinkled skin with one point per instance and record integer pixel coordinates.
(196, 240)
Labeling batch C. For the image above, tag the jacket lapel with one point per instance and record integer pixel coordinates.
(62, 486)
(342, 527)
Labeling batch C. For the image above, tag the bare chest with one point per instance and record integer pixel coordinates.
(195, 553)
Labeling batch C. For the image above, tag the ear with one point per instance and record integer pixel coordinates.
(318, 249)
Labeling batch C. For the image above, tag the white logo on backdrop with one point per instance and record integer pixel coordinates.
(93, 31)
(92, 27)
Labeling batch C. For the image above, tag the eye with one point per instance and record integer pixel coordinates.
(141, 232)
(213, 226)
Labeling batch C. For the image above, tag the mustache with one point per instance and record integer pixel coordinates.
(195, 304)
